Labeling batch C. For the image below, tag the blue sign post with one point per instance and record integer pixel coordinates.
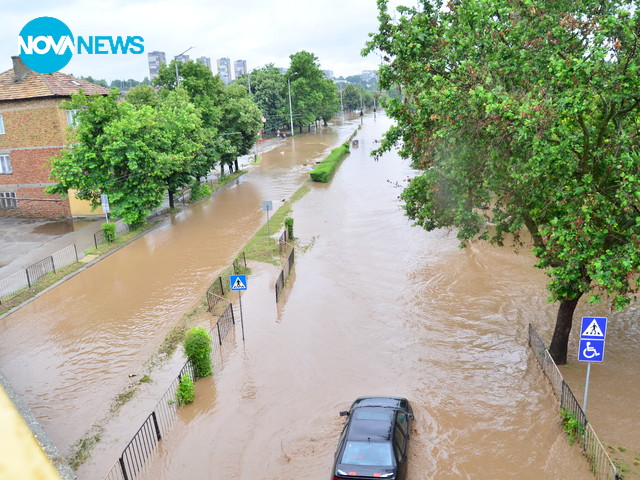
(239, 283)
(592, 334)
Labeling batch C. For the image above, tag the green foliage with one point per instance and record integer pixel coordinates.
(132, 152)
(186, 391)
(325, 170)
(313, 96)
(197, 347)
(288, 223)
(571, 425)
(109, 230)
(524, 115)
(199, 190)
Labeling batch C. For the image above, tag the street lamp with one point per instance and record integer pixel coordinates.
(176, 62)
(290, 108)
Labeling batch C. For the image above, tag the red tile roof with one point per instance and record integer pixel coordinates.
(38, 85)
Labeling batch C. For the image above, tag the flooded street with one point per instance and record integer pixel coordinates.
(377, 307)
(73, 349)
(374, 307)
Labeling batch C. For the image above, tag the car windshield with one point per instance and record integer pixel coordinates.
(367, 453)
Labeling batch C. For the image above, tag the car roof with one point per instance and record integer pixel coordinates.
(371, 424)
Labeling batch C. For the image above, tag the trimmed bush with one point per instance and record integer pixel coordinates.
(324, 171)
(109, 230)
(288, 223)
(197, 346)
(186, 391)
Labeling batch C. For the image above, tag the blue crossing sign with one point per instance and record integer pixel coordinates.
(238, 282)
(592, 334)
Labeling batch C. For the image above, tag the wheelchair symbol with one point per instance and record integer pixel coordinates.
(590, 352)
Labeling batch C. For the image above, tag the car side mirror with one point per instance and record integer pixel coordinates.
(344, 413)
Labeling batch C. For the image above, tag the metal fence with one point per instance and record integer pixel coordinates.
(284, 274)
(145, 441)
(601, 465)
(220, 287)
(99, 237)
(19, 281)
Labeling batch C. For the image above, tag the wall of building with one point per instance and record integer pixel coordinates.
(35, 131)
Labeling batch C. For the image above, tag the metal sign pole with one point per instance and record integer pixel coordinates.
(586, 389)
(241, 318)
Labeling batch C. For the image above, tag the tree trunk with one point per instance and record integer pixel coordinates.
(236, 162)
(560, 340)
(171, 205)
(221, 169)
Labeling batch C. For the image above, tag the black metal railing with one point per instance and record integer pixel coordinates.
(601, 465)
(12, 285)
(145, 441)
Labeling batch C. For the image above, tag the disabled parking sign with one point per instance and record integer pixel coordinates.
(592, 335)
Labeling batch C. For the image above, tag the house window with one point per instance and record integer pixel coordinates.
(71, 118)
(8, 201)
(1, 125)
(5, 164)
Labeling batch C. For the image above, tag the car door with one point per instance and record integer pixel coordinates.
(400, 438)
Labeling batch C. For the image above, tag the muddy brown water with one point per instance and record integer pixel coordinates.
(375, 307)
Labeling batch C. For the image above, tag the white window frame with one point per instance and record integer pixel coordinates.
(71, 118)
(8, 201)
(5, 164)
(1, 125)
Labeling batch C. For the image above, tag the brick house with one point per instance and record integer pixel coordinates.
(33, 128)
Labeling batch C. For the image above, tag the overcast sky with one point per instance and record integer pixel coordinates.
(258, 31)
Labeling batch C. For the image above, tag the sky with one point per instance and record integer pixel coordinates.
(258, 31)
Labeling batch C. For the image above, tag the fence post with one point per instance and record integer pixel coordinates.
(233, 317)
(124, 469)
(221, 287)
(95, 240)
(53, 264)
(28, 278)
(219, 336)
(155, 423)
(75, 248)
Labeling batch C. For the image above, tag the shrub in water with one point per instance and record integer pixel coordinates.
(186, 391)
(288, 222)
(197, 346)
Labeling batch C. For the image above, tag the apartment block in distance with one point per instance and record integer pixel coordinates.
(205, 61)
(156, 60)
(33, 129)
(239, 68)
(224, 70)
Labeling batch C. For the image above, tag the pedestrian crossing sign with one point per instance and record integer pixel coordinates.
(593, 328)
(238, 282)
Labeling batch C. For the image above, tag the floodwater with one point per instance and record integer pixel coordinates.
(377, 307)
(374, 307)
(69, 352)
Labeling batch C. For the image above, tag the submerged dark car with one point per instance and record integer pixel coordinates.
(374, 441)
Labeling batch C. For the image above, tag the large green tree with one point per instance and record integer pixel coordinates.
(131, 153)
(525, 115)
(206, 92)
(313, 96)
(269, 92)
(242, 121)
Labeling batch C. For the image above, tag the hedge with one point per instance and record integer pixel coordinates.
(325, 170)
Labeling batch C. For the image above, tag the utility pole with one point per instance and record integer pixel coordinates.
(290, 108)
(176, 63)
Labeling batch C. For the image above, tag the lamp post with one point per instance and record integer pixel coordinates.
(290, 108)
(176, 63)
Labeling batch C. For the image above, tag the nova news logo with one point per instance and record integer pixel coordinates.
(46, 45)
